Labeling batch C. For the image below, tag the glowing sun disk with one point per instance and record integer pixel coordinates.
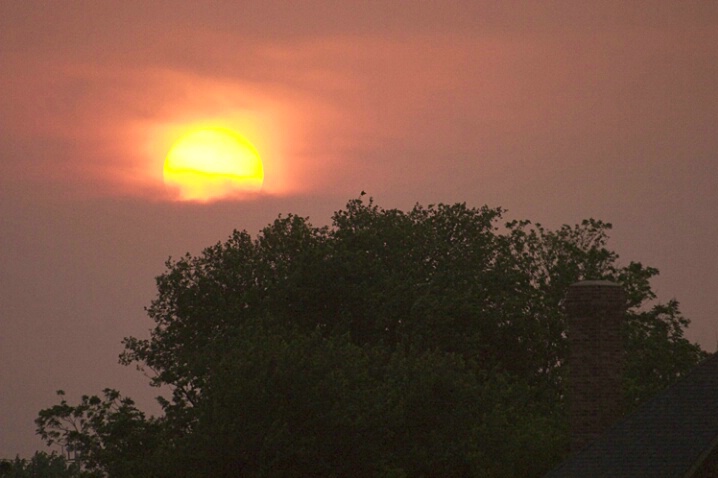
(213, 163)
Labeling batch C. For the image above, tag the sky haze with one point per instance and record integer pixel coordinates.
(557, 111)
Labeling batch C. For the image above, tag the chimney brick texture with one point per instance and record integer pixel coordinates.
(595, 391)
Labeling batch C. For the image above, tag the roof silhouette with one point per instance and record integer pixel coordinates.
(670, 436)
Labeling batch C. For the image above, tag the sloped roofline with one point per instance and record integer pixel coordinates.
(669, 436)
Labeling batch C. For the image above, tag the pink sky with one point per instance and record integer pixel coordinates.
(557, 112)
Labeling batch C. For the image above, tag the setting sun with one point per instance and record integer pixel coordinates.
(213, 163)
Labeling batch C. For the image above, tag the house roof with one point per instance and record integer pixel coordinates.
(667, 437)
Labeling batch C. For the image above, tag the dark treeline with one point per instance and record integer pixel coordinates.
(423, 343)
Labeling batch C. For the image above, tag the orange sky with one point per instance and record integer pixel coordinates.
(556, 110)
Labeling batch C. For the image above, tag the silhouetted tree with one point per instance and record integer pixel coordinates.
(43, 465)
(423, 343)
(105, 434)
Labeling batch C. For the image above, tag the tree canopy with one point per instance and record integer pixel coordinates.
(43, 465)
(430, 342)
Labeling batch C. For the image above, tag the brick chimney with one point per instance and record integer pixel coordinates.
(595, 311)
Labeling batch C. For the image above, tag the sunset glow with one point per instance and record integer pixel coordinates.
(212, 163)
(133, 132)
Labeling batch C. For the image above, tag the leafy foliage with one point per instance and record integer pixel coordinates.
(421, 343)
(101, 433)
(43, 465)
(659, 351)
